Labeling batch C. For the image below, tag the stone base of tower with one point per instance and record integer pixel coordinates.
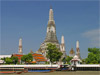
(43, 47)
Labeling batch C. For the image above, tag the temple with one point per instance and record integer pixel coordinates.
(20, 46)
(78, 50)
(62, 47)
(51, 34)
(72, 53)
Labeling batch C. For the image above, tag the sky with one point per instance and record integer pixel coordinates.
(76, 20)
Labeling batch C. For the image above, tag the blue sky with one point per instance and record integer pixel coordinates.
(76, 20)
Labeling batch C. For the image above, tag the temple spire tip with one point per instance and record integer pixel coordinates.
(50, 6)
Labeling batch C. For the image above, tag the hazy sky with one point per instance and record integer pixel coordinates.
(76, 20)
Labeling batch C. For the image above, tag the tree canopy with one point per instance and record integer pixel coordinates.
(93, 56)
(68, 59)
(27, 58)
(53, 53)
(8, 60)
(12, 60)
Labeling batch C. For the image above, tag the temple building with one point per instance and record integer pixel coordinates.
(51, 37)
(78, 50)
(75, 60)
(20, 46)
(72, 53)
(37, 58)
(19, 57)
(51, 34)
(62, 47)
(40, 56)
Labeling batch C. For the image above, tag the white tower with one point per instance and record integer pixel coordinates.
(77, 49)
(62, 40)
(20, 46)
(50, 35)
(77, 44)
(62, 46)
(51, 15)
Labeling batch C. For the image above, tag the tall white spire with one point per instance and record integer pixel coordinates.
(62, 40)
(20, 42)
(51, 14)
(77, 49)
(20, 46)
(62, 44)
(77, 44)
(62, 47)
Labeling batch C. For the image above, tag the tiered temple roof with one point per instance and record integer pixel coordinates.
(39, 57)
(72, 51)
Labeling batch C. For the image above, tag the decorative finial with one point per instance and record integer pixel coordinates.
(51, 14)
(50, 7)
(31, 52)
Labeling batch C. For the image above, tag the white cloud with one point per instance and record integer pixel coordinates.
(93, 36)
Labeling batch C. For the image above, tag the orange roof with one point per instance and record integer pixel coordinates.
(40, 60)
(37, 54)
(33, 61)
(18, 55)
(39, 57)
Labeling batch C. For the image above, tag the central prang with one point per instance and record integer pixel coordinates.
(50, 36)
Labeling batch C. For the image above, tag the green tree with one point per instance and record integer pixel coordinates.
(24, 58)
(30, 57)
(8, 60)
(14, 59)
(53, 53)
(27, 58)
(64, 60)
(93, 56)
(3, 58)
(83, 61)
(68, 59)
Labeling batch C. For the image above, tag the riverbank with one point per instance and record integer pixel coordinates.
(63, 73)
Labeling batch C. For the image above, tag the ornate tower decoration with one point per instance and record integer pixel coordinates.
(31, 52)
(51, 34)
(62, 46)
(20, 46)
(78, 50)
(72, 53)
(51, 29)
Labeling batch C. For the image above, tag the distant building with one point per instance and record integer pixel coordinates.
(72, 53)
(75, 60)
(62, 47)
(31, 52)
(20, 46)
(19, 57)
(37, 58)
(3, 56)
(78, 50)
(50, 36)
